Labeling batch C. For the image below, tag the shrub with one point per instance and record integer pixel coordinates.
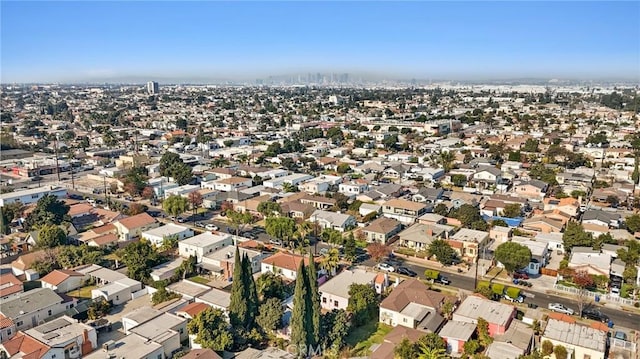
(431, 274)
(636, 304)
(547, 348)
(513, 292)
(498, 288)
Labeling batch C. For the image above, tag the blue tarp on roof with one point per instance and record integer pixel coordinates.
(511, 222)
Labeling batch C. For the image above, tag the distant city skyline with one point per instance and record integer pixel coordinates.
(140, 41)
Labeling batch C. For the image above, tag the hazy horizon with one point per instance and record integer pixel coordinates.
(82, 42)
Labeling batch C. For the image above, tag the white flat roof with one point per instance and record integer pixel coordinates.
(205, 239)
(339, 285)
(167, 230)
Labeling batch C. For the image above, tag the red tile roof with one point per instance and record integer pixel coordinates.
(287, 260)
(194, 309)
(60, 275)
(5, 322)
(29, 347)
(9, 284)
(137, 221)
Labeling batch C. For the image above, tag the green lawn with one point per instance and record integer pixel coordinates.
(84, 292)
(199, 279)
(362, 338)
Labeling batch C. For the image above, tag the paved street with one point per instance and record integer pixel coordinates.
(619, 317)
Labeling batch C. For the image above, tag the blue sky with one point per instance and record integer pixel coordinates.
(83, 41)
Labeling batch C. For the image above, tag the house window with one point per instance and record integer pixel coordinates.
(324, 300)
(34, 196)
(404, 320)
(49, 312)
(335, 303)
(19, 324)
(159, 356)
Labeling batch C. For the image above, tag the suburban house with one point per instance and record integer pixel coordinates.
(230, 184)
(386, 349)
(188, 289)
(406, 212)
(29, 196)
(103, 236)
(591, 260)
(516, 341)
(156, 236)
(334, 294)
(580, 341)
(368, 208)
(22, 265)
(467, 242)
(297, 210)
(63, 337)
(542, 224)
(353, 188)
(166, 270)
(251, 205)
(167, 329)
(131, 347)
(487, 176)
(113, 286)
(428, 195)
(63, 280)
(498, 315)
(556, 244)
(10, 285)
(203, 244)
(419, 236)
(131, 228)
(28, 309)
(321, 203)
(455, 334)
(539, 253)
(138, 316)
(381, 230)
(221, 262)
(338, 221)
(602, 218)
(284, 264)
(500, 234)
(534, 189)
(190, 310)
(215, 298)
(568, 205)
(412, 304)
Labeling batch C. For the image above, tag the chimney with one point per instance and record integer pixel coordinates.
(85, 336)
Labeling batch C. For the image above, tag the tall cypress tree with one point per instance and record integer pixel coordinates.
(299, 324)
(251, 294)
(238, 307)
(313, 303)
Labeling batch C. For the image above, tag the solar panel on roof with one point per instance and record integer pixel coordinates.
(50, 336)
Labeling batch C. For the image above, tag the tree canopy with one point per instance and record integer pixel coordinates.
(210, 327)
(363, 303)
(139, 257)
(513, 256)
(50, 236)
(49, 210)
(442, 251)
(175, 205)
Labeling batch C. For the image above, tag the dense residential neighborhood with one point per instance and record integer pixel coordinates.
(436, 221)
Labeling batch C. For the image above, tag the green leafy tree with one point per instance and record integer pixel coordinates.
(139, 257)
(270, 315)
(458, 180)
(575, 236)
(270, 285)
(547, 347)
(4, 222)
(633, 223)
(445, 159)
(512, 210)
(441, 209)
(269, 208)
(98, 309)
(430, 353)
(350, 247)
(442, 251)
(175, 205)
(363, 303)
(280, 227)
(467, 215)
(513, 256)
(531, 145)
(195, 200)
(560, 352)
(251, 294)
(299, 317)
(499, 223)
(73, 256)
(483, 332)
(211, 330)
(49, 210)
(239, 219)
(313, 303)
(432, 341)
(167, 160)
(50, 236)
(162, 295)
(471, 347)
(238, 305)
(405, 350)
(135, 180)
(335, 328)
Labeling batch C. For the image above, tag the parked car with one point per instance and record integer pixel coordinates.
(559, 308)
(520, 275)
(180, 220)
(361, 258)
(595, 314)
(620, 335)
(200, 224)
(211, 227)
(443, 280)
(276, 242)
(385, 267)
(75, 196)
(406, 271)
(520, 299)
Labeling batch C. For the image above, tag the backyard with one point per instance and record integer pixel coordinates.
(362, 338)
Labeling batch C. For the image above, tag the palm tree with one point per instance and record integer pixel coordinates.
(330, 261)
(431, 353)
(445, 159)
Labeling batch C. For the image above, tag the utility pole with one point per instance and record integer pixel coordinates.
(55, 142)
